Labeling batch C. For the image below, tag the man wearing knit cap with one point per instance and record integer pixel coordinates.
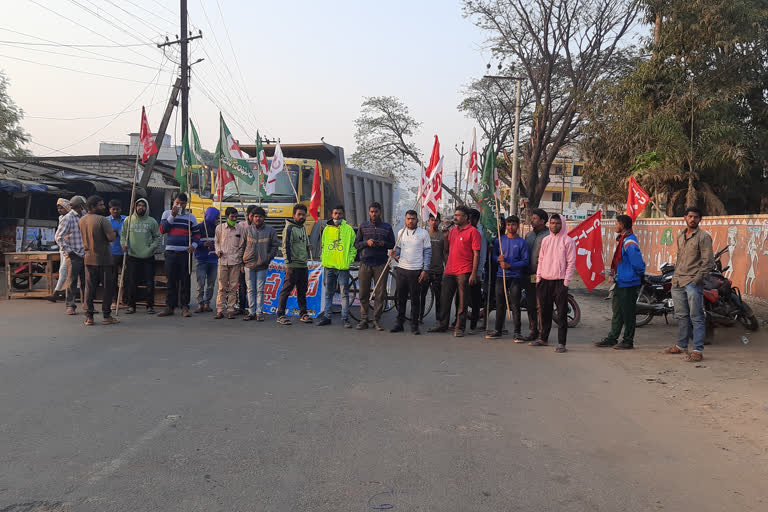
(70, 243)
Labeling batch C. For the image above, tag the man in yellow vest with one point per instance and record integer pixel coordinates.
(338, 254)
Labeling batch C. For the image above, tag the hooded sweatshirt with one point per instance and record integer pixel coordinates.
(557, 258)
(295, 245)
(207, 230)
(338, 245)
(145, 239)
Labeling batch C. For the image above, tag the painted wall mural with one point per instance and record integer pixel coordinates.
(746, 238)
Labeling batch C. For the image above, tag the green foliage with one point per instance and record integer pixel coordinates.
(12, 135)
(689, 121)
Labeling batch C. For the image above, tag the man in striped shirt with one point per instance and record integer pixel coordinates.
(182, 238)
(70, 242)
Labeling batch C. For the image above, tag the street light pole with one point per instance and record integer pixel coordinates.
(515, 171)
(458, 173)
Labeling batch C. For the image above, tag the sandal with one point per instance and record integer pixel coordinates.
(561, 349)
(538, 343)
(305, 319)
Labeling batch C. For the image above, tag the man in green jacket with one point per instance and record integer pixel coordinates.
(296, 254)
(338, 254)
(140, 238)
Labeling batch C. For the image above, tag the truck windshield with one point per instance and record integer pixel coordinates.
(283, 190)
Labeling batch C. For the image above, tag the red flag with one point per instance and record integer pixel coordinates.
(431, 181)
(145, 134)
(589, 250)
(637, 199)
(314, 202)
(222, 178)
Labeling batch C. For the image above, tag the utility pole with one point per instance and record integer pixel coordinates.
(458, 173)
(515, 172)
(182, 84)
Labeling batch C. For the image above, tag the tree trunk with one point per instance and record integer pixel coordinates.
(691, 197)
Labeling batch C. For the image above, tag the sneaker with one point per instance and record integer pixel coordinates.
(493, 335)
(397, 328)
(71, 311)
(377, 326)
(109, 320)
(166, 312)
(623, 346)
(248, 317)
(347, 324)
(694, 357)
(415, 330)
(324, 321)
(437, 328)
(185, 312)
(51, 297)
(88, 320)
(284, 320)
(200, 308)
(363, 324)
(606, 342)
(675, 350)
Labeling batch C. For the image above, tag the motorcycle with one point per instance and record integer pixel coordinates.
(723, 304)
(573, 314)
(722, 301)
(655, 297)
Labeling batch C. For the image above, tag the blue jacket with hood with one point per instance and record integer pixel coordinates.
(631, 268)
(207, 229)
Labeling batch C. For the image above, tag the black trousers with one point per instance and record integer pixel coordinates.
(475, 301)
(433, 282)
(454, 285)
(242, 292)
(408, 286)
(294, 278)
(177, 273)
(513, 292)
(139, 271)
(76, 270)
(531, 304)
(95, 274)
(553, 294)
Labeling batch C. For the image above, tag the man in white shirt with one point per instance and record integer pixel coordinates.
(413, 252)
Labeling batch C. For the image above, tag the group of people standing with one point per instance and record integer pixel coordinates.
(450, 263)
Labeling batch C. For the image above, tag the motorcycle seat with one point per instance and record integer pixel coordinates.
(654, 279)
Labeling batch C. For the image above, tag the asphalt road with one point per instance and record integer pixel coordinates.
(203, 415)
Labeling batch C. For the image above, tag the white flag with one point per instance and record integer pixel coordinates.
(278, 163)
(473, 169)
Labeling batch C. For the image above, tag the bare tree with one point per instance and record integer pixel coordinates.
(562, 48)
(384, 137)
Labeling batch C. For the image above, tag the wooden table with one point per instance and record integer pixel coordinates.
(40, 265)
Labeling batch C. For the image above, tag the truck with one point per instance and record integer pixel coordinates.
(340, 185)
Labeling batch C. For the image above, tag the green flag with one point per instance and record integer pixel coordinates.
(180, 175)
(229, 156)
(261, 166)
(486, 202)
(194, 150)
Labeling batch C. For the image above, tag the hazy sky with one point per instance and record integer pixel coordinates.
(305, 65)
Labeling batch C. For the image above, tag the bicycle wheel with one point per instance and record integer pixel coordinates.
(390, 301)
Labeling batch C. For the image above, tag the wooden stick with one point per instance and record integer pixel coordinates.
(128, 234)
(503, 272)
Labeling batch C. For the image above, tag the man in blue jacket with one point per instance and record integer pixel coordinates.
(511, 252)
(628, 268)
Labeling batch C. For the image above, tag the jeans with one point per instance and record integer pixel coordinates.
(689, 313)
(294, 278)
(177, 273)
(255, 280)
(62, 282)
(408, 286)
(454, 284)
(76, 270)
(435, 283)
(137, 271)
(513, 292)
(229, 276)
(552, 294)
(364, 277)
(206, 279)
(93, 275)
(331, 278)
(624, 305)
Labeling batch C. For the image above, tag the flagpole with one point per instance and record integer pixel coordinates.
(239, 197)
(293, 186)
(503, 273)
(128, 234)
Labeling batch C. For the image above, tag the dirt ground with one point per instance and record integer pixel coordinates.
(728, 390)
